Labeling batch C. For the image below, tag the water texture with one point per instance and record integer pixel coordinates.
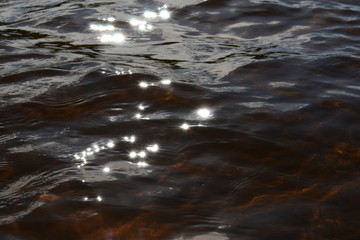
(174, 120)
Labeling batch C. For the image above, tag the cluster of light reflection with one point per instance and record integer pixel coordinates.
(123, 72)
(144, 84)
(108, 19)
(90, 151)
(143, 25)
(202, 114)
(162, 13)
(117, 71)
(98, 198)
(130, 139)
(109, 35)
(140, 154)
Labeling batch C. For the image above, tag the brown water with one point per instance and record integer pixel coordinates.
(233, 119)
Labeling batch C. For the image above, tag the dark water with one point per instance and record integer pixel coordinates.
(233, 119)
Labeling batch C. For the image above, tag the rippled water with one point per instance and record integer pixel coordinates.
(233, 119)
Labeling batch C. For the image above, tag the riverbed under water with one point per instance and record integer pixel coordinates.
(174, 120)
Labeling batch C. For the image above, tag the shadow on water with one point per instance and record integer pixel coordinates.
(190, 120)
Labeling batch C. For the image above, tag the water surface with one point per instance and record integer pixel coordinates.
(133, 119)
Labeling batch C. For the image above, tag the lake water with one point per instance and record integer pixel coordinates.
(174, 120)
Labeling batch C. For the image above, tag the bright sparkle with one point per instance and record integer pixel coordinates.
(143, 84)
(141, 154)
(164, 13)
(185, 126)
(204, 113)
(142, 27)
(106, 169)
(138, 116)
(142, 164)
(112, 38)
(96, 148)
(130, 139)
(141, 107)
(110, 19)
(132, 154)
(149, 27)
(150, 14)
(135, 22)
(166, 81)
(99, 198)
(110, 144)
(101, 27)
(153, 148)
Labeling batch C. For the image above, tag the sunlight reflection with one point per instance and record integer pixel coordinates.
(204, 113)
(153, 148)
(112, 38)
(142, 164)
(141, 107)
(150, 14)
(164, 13)
(166, 81)
(143, 84)
(138, 116)
(142, 154)
(101, 27)
(130, 139)
(90, 151)
(110, 144)
(141, 25)
(123, 72)
(185, 126)
(109, 19)
(106, 169)
(99, 198)
(132, 154)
